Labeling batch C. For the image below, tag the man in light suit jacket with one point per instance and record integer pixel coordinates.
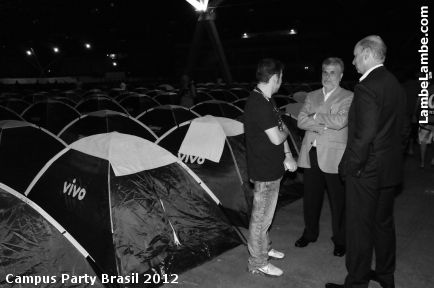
(324, 116)
(372, 166)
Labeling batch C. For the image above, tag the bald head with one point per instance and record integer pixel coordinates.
(369, 52)
(374, 45)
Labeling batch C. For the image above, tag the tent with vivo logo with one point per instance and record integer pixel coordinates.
(24, 150)
(213, 147)
(35, 245)
(132, 206)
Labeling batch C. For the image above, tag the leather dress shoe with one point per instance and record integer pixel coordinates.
(339, 250)
(333, 285)
(302, 242)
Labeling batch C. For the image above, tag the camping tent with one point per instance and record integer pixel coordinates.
(35, 245)
(102, 122)
(15, 104)
(293, 109)
(162, 118)
(299, 96)
(8, 114)
(36, 97)
(24, 150)
(225, 175)
(132, 205)
(67, 100)
(296, 135)
(240, 103)
(53, 115)
(96, 103)
(240, 92)
(137, 103)
(223, 95)
(167, 98)
(217, 108)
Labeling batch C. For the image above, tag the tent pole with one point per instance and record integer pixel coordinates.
(293, 143)
(237, 230)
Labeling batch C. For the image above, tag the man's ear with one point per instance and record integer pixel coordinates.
(366, 54)
(274, 78)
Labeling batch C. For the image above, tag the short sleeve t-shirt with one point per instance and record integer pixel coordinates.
(264, 159)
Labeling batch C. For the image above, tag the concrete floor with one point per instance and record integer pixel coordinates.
(315, 265)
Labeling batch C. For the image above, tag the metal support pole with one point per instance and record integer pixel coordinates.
(194, 48)
(218, 48)
(207, 19)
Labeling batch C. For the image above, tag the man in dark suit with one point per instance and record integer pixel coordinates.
(372, 167)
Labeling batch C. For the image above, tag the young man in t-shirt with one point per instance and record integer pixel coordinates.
(268, 155)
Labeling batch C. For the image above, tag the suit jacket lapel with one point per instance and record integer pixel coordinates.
(319, 101)
(333, 98)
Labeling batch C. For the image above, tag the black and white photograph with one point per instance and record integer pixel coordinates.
(216, 144)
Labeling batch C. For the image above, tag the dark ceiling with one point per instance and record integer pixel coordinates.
(158, 28)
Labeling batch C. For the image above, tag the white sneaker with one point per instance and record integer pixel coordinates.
(268, 270)
(276, 254)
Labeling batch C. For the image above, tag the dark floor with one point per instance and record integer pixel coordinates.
(314, 265)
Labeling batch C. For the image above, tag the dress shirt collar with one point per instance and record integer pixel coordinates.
(369, 71)
(327, 95)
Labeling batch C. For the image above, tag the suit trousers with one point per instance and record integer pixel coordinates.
(315, 182)
(370, 228)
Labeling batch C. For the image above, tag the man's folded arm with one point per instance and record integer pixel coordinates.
(305, 120)
(335, 121)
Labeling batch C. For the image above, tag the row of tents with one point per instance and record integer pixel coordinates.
(106, 193)
(134, 103)
(55, 115)
(25, 148)
(109, 203)
(117, 203)
(205, 91)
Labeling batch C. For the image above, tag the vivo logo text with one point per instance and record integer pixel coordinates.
(185, 158)
(73, 190)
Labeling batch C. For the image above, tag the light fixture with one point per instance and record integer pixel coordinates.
(29, 52)
(199, 5)
(292, 31)
(56, 49)
(114, 64)
(245, 36)
(306, 67)
(112, 55)
(87, 45)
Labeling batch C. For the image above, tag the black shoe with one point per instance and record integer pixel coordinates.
(373, 276)
(339, 250)
(302, 242)
(333, 285)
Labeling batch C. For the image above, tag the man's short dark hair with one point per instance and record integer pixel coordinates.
(267, 68)
(334, 61)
